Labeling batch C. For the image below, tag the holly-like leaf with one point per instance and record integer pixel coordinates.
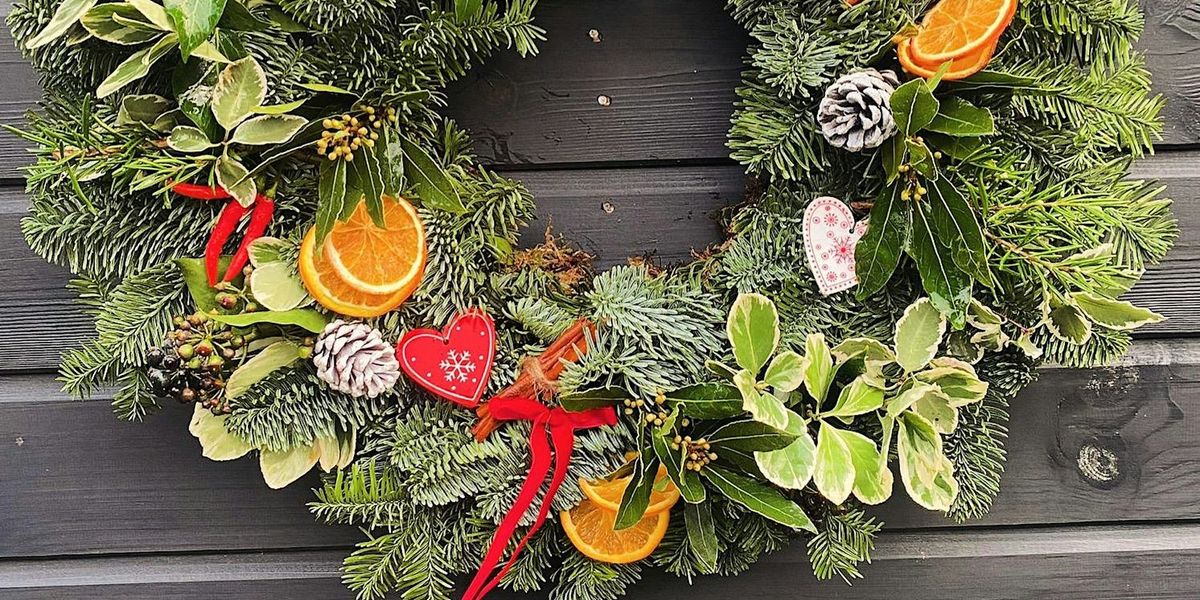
(749, 435)
(913, 106)
(949, 288)
(331, 194)
(100, 21)
(834, 470)
(305, 318)
(702, 535)
(188, 139)
(786, 372)
(819, 369)
(878, 252)
(431, 183)
(758, 497)
(234, 177)
(590, 399)
(268, 129)
(954, 219)
(918, 334)
(66, 15)
(194, 21)
(960, 118)
(276, 356)
(1114, 314)
(136, 66)
(791, 467)
(927, 474)
(706, 401)
(241, 88)
(753, 331)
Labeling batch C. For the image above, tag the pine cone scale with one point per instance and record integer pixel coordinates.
(353, 358)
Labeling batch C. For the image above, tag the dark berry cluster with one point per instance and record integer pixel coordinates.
(193, 364)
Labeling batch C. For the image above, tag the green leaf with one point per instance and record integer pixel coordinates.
(956, 380)
(67, 14)
(303, 139)
(937, 410)
(154, 13)
(833, 471)
(688, 481)
(921, 159)
(236, 17)
(927, 474)
(637, 494)
(279, 109)
(432, 185)
(702, 535)
(948, 287)
(819, 371)
(194, 21)
(241, 88)
(753, 330)
(188, 139)
(265, 250)
(305, 318)
(142, 109)
(764, 407)
(911, 393)
(893, 152)
(365, 173)
(465, 10)
(100, 22)
(872, 479)
(268, 129)
(209, 52)
(954, 219)
(1114, 314)
(878, 252)
(790, 467)
(720, 369)
(135, 67)
(234, 177)
(913, 106)
(270, 359)
(282, 467)
(327, 88)
(759, 498)
(1069, 324)
(996, 81)
(786, 372)
(391, 160)
(960, 148)
(276, 287)
(589, 399)
(195, 276)
(918, 334)
(960, 118)
(750, 436)
(216, 443)
(331, 193)
(867, 348)
(706, 401)
(858, 398)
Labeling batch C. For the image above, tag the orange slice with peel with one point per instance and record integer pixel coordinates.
(607, 493)
(960, 68)
(589, 526)
(323, 283)
(374, 259)
(956, 28)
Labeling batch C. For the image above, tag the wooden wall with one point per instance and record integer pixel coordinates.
(1101, 496)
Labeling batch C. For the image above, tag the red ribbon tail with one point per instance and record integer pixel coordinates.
(541, 458)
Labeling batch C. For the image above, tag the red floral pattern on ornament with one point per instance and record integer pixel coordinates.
(830, 236)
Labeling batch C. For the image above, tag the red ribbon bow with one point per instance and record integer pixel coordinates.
(550, 426)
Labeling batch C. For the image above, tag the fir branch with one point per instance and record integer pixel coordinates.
(842, 542)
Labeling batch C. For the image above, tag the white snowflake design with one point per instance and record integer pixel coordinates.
(457, 366)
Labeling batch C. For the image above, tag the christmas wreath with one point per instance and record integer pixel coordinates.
(266, 215)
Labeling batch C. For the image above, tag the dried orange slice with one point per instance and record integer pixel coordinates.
(378, 260)
(607, 494)
(960, 68)
(955, 28)
(323, 283)
(590, 528)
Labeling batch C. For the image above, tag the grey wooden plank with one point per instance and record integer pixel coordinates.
(1086, 563)
(669, 69)
(1085, 446)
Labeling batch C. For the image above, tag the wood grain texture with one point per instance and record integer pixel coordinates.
(1085, 446)
(668, 68)
(1087, 563)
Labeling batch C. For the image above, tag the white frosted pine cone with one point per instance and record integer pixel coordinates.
(856, 112)
(355, 359)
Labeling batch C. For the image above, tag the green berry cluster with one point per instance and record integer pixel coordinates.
(699, 452)
(345, 135)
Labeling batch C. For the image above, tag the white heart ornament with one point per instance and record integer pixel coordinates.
(830, 235)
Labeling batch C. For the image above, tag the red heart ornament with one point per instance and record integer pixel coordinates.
(454, 363)
(830, 235)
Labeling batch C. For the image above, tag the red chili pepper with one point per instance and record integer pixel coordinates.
(262, 211)
(231, 215)
(199, 192)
